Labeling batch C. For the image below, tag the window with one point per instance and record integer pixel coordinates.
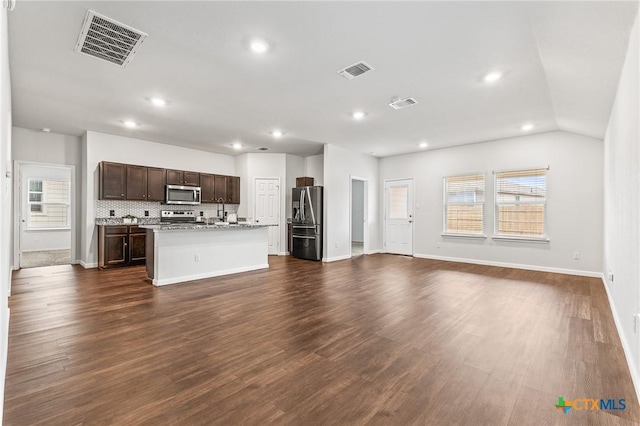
(48, 204)
(398, 208)
(521, 204)
(464, 204)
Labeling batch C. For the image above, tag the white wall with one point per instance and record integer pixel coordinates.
(574, 199)
(314, 167)
(295, 169)
(104, 147)
(339, 166)
(6, 220)
(622, 204)
(357, 210)
(51, 148)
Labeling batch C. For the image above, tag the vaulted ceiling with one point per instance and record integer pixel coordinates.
(560, 63)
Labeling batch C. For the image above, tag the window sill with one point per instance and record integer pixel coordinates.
(522, 239)
(479, 236)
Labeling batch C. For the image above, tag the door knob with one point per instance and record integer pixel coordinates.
(410, 221)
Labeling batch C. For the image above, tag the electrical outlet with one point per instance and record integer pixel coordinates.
(438, 244)
(635, 323)
(146, 212)
(576, 255)
(197, 257)
(336, 245)
(112, 213)
(610, 276)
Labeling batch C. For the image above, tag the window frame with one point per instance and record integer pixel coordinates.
(445, 204)
(43, 205)
(544, 238)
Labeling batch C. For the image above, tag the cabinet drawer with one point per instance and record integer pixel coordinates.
(135, 229)
(110, 230)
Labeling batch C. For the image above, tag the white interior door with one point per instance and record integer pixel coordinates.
(267, 209)
(398, 216)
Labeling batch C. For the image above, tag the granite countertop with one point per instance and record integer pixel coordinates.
(189, 226)
(120, 221)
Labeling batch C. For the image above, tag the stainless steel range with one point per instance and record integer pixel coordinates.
(178, 216)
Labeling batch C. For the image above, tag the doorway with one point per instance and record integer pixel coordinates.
(267, 209)
(398, 216)
(358, 208)
(45, 211)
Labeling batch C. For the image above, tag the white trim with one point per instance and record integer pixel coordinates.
(3, 361)
(365, 211)
(376, 251)
(281, 217)
(523, 239)
(283, 253)
(336, 258)
(88, 265)
(479, 236)
(625, 345)
(186, 278)
(592, 274)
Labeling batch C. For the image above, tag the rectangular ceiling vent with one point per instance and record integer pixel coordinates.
(403, 103)
(109, 40)
(355, 70)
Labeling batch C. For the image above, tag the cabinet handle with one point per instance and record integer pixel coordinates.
(144, 196)
(122, 195)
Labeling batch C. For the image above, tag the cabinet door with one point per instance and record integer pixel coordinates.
(136, 183)
(220, 188)
(115, 249)
(207, 184)
(233, 190)
(175, 177)
(191, 178)
(155, 184)
(137, 248)
(112, 181)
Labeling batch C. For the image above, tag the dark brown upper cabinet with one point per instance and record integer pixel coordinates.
(220, 189)
(155, 184)
(136, 183)
(233, 190)
(145, 183)
(207, 183)
(181, 177)
(112, 181)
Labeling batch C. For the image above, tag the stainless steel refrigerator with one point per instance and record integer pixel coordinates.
(306, 223)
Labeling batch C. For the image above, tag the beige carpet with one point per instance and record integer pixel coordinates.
(34, 259)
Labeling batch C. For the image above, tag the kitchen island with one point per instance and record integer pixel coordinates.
(187, 252)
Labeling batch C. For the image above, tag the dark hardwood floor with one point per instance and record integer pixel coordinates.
(379, 339)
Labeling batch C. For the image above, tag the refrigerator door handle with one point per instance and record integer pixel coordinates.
(304, 237)
(313, 215)
(302, 205)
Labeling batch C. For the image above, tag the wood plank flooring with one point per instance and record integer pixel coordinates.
(379, 339)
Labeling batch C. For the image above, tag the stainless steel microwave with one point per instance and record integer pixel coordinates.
(176, 194)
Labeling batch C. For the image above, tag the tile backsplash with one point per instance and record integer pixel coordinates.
(137, 208)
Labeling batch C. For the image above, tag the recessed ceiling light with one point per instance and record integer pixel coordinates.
(527, 127)
(423, 145)
(158, 102)
(46, 129)
(492, 77)
(130, 123)
(259, 46)
(237, 146)
(277, 134)
(358, 115)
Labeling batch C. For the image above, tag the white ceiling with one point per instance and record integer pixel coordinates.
(561, 63)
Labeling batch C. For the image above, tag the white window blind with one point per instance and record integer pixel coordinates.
(48, 204)
(464, 204)
(521, 203)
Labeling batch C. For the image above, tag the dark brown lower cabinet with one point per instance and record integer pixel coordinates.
(121, 245)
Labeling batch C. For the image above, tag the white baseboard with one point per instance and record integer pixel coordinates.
(513, 265)
(88, 265)
(336, 258)
(3, 361)
(625, 345)
(194, 277)
(283, 253)
(376, 251)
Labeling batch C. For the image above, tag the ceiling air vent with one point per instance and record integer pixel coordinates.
(403, 103)
(262, 148)
(109, 40)
(355, 70)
